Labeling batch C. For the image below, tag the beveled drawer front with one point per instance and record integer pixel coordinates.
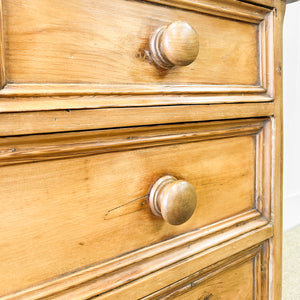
(70, 209)
(234, 283)
(99, 41)
(237, 277)
(55, 47)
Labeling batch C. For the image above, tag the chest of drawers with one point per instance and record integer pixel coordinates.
(140, 149)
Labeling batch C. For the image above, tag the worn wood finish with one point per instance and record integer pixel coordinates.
(38, 96)
(88, 225)
(210, 245)
(242, 12)
(107, 202)
(95, 95)
(277, 161)
(233, 280)
(42, 45)
(87, 125)
(156, 281)
(14, 150)
(66, 97)
(239, 10)
(208, 283)
(46, 89)
(34, 148)
(74, 120)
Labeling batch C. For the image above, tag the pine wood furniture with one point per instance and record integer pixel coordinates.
(122, 118)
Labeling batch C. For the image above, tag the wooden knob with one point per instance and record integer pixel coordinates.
(172, 199)
(174, 45)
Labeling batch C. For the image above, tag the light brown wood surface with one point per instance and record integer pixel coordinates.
(47, 25)
(277, 209)
(99, 198)
(236, 282)
(101, 45)
(40, 147)
(88, 123)
(135, 274)
(185, 270)
(238, 277)
(88, 119)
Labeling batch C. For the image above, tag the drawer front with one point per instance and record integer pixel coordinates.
(237, 277)
(62, 213)
(243, 275)
(235, 283)
(102, 47)
(105, 42)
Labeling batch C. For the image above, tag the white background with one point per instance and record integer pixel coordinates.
(291, 112)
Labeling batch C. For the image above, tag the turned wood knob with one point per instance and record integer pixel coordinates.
(172, 199)
(174, 45)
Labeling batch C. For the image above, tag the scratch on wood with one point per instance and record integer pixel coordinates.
(127, 208)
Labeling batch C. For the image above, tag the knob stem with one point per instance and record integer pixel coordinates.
(157, 52)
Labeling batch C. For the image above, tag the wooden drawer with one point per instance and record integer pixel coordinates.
(233, 283)
(240, 276)
(89, 123)
(84, 200)
(95, 50)
(104, 40)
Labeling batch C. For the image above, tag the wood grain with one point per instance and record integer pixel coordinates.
(234, 280)
(88, 123)
(35, 148)
(236, 233)
(51, 89)
(14, 150)
(56, 41)
(37, 93)
(240, 10)
(277, 162)
(263, 182)
(20, 98)
(155, 281)
(67, 201)
(13, 124)
(266, 56)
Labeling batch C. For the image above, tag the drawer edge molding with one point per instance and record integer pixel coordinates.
(78, 95)
(242, 231)
(229, 9)
(27, 149)
(192, 264)
(12, 90)
(13, 124)
(86, 101)
(257, 254)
